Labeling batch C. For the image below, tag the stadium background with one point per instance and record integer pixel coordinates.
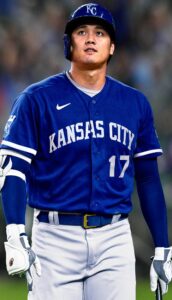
(31, 48)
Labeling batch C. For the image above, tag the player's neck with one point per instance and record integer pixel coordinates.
(90, 79)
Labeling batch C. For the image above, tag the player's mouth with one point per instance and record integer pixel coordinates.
(90, 50)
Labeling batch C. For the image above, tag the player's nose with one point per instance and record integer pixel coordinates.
(90, 42)
(90, 39)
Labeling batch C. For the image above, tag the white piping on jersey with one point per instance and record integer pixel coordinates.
(19, 147)
(89, 92)
(148, 152)
(16, 154)
(17, 174)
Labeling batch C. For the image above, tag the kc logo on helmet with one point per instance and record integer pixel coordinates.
(92, 9)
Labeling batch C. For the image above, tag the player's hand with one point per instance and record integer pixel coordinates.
(19, 255)
(161, 269)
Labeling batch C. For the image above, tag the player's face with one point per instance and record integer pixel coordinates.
(91, 45)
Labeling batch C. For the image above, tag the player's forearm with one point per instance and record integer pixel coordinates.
(14, 200)
(154, 211)
(152, 200)
(13, 185)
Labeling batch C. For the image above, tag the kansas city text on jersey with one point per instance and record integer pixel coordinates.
(89, 129)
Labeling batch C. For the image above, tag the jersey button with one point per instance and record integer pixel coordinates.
(94, 101)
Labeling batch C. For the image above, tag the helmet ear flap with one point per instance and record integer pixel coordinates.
(67, 46)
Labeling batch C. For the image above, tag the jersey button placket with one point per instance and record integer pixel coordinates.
(96, 156)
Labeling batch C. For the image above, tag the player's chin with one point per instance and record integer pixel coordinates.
(93, 60)
(91, 56)
(84, 59)
(89, 61)
(92, 64)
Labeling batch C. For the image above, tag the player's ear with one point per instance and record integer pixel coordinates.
(112, 48)
(71, 43)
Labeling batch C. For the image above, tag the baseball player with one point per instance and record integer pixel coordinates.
(72, 146)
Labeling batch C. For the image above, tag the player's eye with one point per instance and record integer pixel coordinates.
(100, 33)
(81, 32)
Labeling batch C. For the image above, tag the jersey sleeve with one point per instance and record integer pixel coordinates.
(20, 133)
(147, 141)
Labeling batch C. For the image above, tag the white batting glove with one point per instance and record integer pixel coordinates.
(161, 269)
(19, 255)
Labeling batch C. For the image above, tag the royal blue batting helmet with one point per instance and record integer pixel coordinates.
(91, 12)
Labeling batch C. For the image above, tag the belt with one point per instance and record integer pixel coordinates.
(87, 221)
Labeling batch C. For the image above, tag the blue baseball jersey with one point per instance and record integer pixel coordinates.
(81, 149)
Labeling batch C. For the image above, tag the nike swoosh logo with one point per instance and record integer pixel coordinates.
(59, 107)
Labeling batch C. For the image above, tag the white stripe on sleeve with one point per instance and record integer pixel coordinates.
(17, 174)
(148, 152)
(19, 147)
(16, 154)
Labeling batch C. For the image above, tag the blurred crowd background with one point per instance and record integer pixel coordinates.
(31, 48)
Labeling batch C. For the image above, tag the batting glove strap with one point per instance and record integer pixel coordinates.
(164, 254)
(161, 268)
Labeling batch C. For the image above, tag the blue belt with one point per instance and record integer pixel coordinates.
(89, 220)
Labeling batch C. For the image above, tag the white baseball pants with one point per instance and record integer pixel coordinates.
(84, 264)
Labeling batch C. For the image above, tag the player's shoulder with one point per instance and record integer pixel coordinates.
(126, 89)
(46, 87)
(32, 95)
(50, 82)
(128, 95)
